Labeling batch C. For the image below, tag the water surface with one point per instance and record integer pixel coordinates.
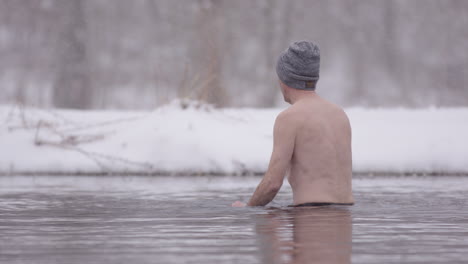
(189, 220)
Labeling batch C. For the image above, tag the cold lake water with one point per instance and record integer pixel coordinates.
(135, 219)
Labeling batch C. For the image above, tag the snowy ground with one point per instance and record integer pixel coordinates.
(198, 139)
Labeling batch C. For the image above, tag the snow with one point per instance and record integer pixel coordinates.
(199, 139)
(400, 140)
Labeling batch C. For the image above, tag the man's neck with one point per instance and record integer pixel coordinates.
(298, 95)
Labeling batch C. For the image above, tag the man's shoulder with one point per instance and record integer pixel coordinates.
(333, 110)
(340, 112)
(289, 117)
(287, 114)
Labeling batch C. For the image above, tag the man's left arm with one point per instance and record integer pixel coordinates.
(284, 134)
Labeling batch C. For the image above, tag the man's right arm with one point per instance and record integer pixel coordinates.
(284, 134)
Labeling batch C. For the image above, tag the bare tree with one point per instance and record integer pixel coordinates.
(207, 60)
(72, 87)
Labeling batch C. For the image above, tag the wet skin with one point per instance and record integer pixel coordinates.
(312, 146)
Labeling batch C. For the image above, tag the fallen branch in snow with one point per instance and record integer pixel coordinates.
(50, 133)
(145, 165)
(24, 122)
(66, 140)
(101, 124)
(9, 115)
(71, 142)
(23, 118)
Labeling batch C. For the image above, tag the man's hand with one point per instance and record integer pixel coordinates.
(238, 204)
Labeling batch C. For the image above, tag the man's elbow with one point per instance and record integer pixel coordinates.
(274, 186)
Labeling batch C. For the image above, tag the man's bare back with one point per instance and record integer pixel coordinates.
(321, 168)
(311, 139)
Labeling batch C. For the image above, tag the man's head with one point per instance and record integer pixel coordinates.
(298, 68)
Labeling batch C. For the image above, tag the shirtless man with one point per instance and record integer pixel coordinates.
(311, 139)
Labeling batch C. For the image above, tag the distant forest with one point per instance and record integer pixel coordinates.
(139, 54)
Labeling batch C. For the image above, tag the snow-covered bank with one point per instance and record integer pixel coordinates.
(200, 139)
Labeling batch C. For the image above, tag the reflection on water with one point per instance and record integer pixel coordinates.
(318, 235)
(189, 220)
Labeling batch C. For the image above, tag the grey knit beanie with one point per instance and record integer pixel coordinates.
(298, 66)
